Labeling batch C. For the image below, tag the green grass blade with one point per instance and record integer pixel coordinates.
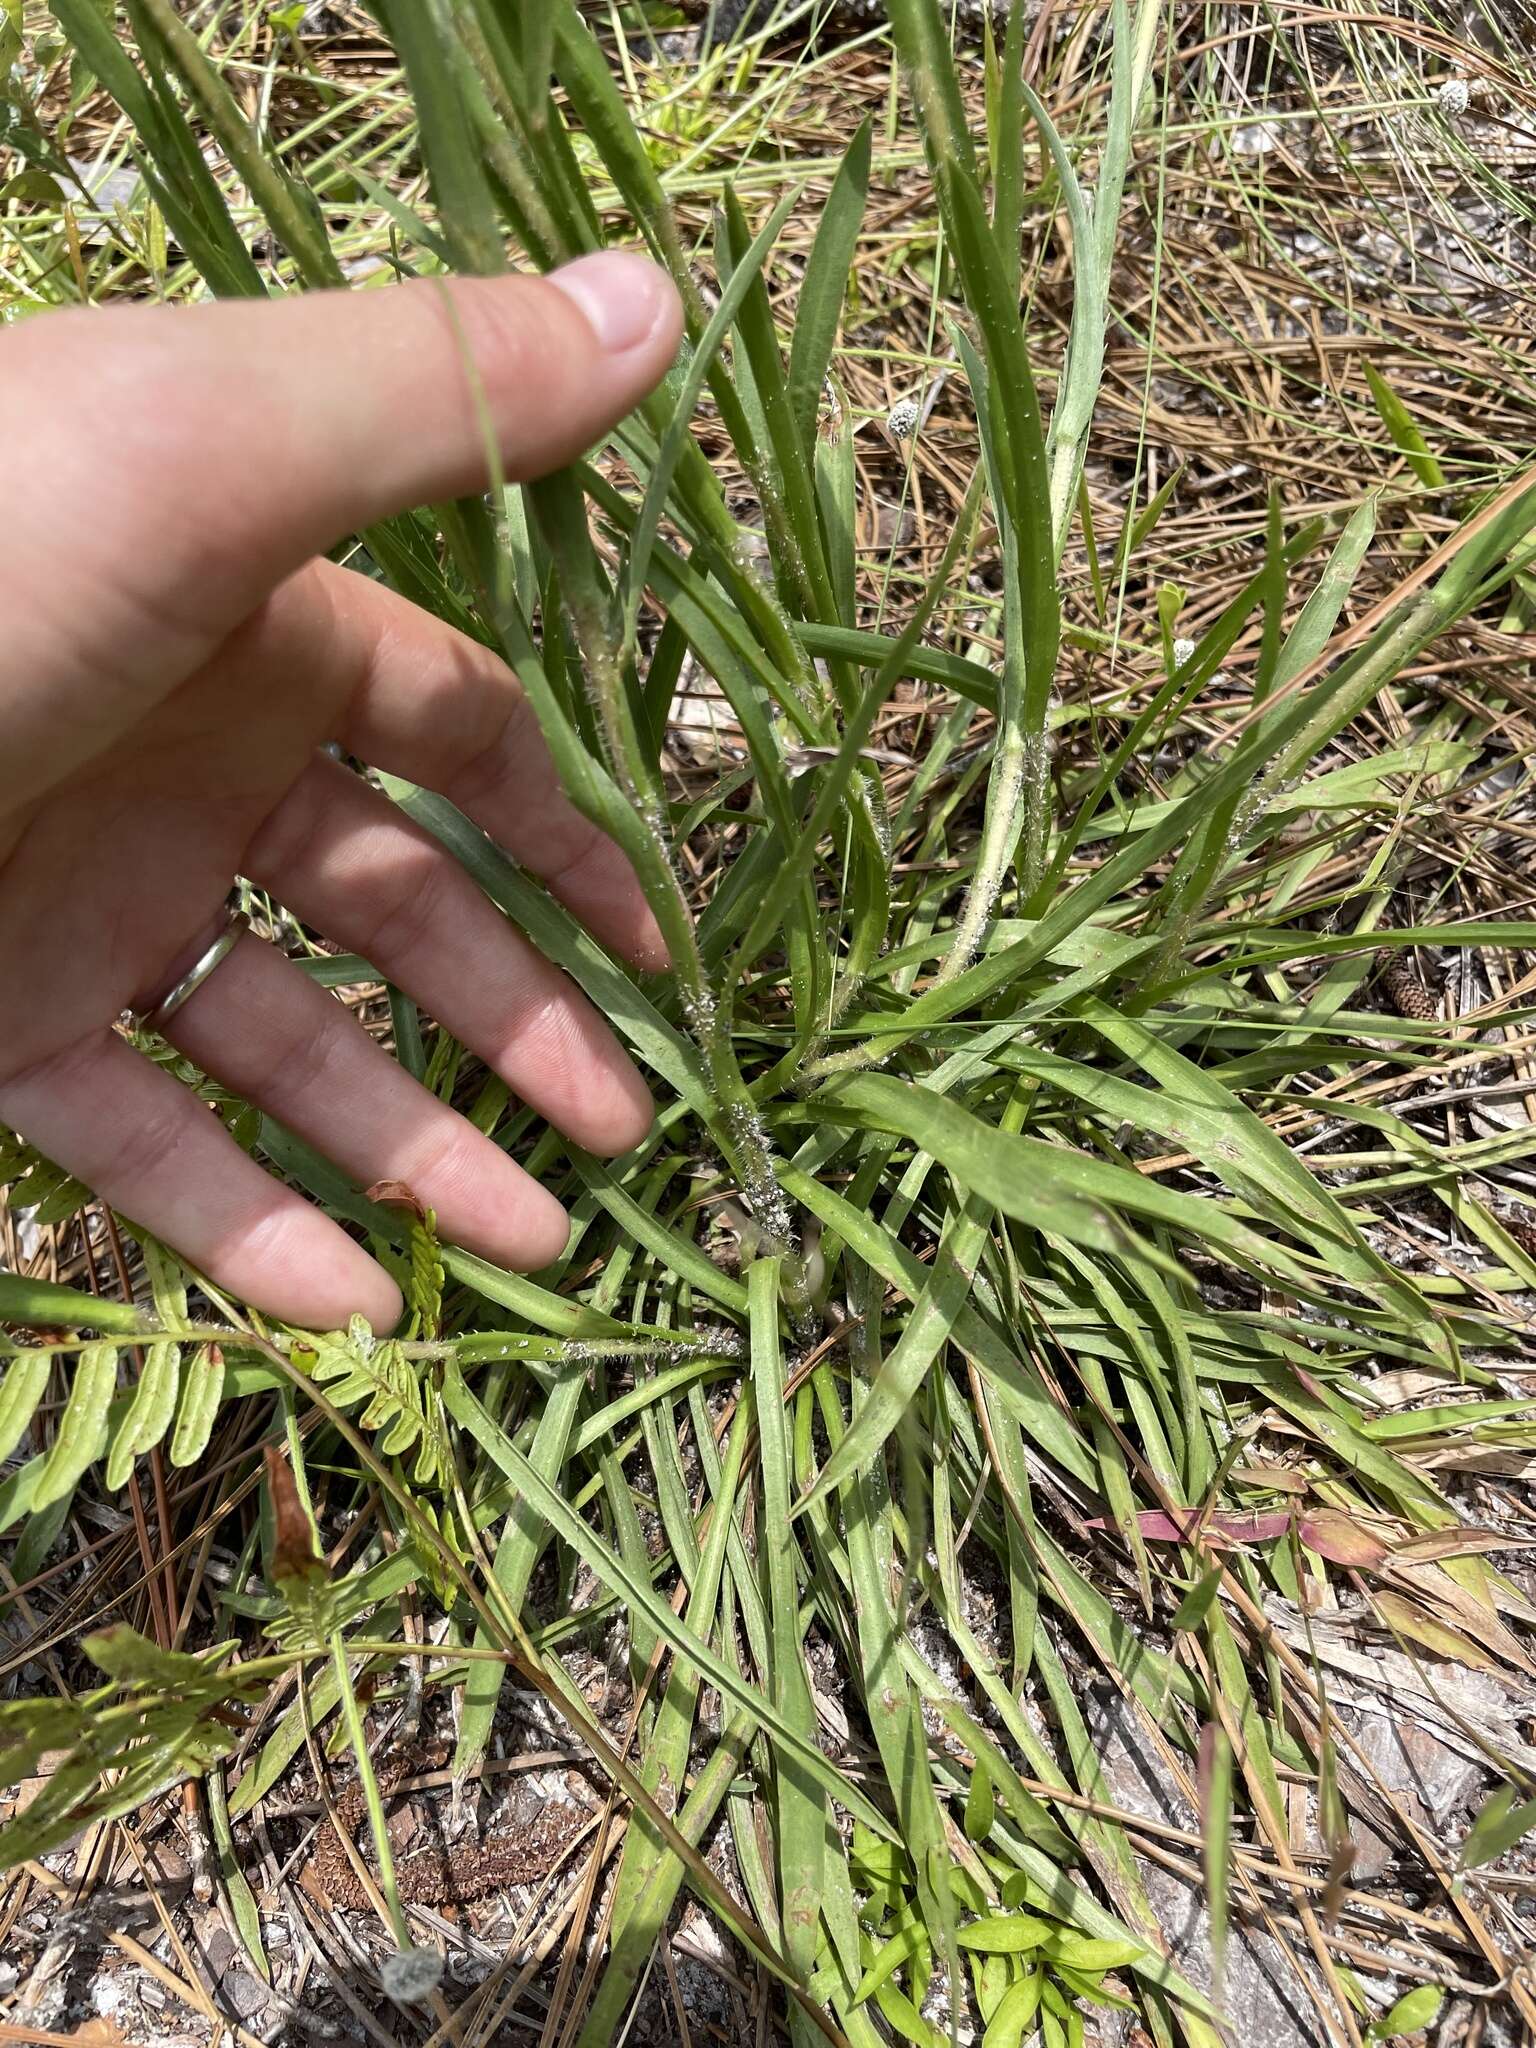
(468, 1413)
(289, 212)
(801, 1819)
(745, 275)
(516, 1555)
(438, 74)
(1215, 1782)
(925, 53)
(1400, 424)
(819, 306)
(927, 1330)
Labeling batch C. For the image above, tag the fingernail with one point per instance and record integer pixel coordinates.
(622, 294)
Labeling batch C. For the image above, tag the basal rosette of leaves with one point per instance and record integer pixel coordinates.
(985, 1075)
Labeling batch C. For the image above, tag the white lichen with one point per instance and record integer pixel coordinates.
(411, 1975)
(904, 419)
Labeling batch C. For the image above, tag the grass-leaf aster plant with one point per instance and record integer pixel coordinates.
(967, 1336)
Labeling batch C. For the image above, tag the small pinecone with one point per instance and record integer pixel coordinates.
(1405, 992)
(1523, 1231)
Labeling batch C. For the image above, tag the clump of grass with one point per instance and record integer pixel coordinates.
(997, 1069)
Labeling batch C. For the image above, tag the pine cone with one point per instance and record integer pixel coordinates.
(1405, 992)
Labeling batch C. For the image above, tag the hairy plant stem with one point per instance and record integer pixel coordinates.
(738, 1130)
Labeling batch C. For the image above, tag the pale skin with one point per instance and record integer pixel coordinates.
(175, 657)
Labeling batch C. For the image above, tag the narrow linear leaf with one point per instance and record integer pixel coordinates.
(819, 306)
(466, 1411)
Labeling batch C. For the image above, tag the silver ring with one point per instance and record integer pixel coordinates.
(182, 991)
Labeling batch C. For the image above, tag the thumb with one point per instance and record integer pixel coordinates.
(176, 464)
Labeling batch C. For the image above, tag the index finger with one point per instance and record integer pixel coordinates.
(243, 438)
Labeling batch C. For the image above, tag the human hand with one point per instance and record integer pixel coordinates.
(175, 658)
